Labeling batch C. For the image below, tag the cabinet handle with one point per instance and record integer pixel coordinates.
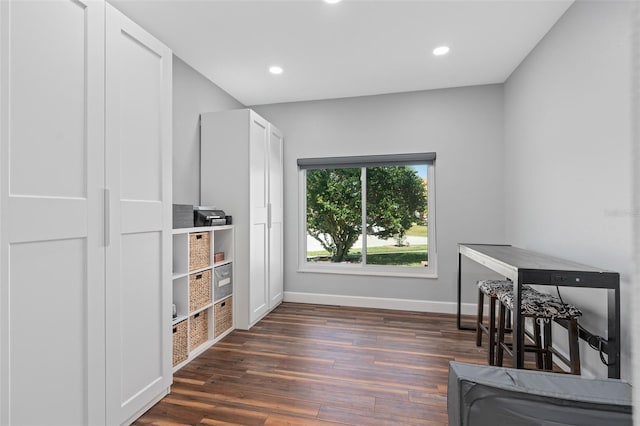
(269, 215)
(198, 237)
(222, 304)
(199, 276)
(107, 217)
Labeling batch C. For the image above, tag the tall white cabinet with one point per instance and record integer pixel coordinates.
(242, 173)
(85, 214)
(139, 218)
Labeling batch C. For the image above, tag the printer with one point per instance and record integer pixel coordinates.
(208, 216)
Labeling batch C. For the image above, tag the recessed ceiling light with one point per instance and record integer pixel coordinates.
(275, 69)
(441, 50)
(332, 1)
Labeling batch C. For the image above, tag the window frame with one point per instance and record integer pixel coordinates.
(363, 268)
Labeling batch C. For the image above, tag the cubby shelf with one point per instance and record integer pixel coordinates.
(219, 239)
(178, 319)
(224, 262)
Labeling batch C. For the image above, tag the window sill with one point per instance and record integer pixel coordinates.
(372, 272)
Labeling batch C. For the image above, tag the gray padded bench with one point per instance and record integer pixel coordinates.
(480, 395)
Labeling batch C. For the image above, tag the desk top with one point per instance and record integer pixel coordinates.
(537, 267)
(527, 259)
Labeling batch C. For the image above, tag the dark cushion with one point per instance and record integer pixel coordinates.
(479, 395)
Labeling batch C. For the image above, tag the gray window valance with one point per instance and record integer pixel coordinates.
(366, 161)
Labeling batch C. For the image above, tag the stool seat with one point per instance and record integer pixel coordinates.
(540, 305)
(537, 305)
(493, 287)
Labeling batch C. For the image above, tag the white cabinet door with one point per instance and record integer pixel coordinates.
(276, 189)
(258, 235)
(138, 158)
(51, 212)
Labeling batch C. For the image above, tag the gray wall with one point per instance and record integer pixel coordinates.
(568, 180)
(463, 126)
(192, 95)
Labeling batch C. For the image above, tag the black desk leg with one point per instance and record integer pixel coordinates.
(459, 290)
(613, 344)
(459, 313)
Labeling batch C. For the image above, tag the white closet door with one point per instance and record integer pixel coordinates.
(138, 158)
(51, 207)
(276, 189)
(258, 199)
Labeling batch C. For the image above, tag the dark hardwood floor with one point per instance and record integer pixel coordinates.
(316, 365)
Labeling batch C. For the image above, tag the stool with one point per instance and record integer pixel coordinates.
(541, 306)
(490, 288)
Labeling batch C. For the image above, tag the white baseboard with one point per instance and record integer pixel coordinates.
(380, 303)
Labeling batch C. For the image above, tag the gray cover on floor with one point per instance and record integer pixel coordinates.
(481, 395)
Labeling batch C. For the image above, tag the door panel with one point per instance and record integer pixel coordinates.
(140, 95)
(48, 315)
(138, 176)
(258, 238)
(259, 296)
(276, 190)
(258, 169)
(51, 212)
(142, 305)
(276, 275)
(48, 98)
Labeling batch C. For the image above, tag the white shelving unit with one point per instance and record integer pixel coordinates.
(188, 242)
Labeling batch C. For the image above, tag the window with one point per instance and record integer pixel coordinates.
(368, 215)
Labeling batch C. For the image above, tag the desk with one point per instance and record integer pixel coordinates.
(528, 267)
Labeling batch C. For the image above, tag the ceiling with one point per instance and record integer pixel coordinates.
(353, 48)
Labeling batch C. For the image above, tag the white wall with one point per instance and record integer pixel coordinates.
(463, 126)
(192, 94)
(568, 180)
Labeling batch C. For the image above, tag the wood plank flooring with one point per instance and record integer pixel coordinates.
(320, 365)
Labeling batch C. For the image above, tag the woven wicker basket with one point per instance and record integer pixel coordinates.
(180, 352)
(223, 316)
(199, 290)
(199, 250)
(199, 329)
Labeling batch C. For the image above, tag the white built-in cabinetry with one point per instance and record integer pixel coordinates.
(85, 214)
(242, 173)
(203, 261)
